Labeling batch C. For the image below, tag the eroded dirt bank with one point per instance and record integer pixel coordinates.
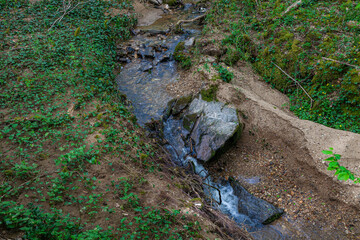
(279, 159)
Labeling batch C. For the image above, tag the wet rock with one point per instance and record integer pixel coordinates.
(190, 42)
(121, 52)
(153, 32)
(162, 58)
(147, 52)
(145, 66)
(212, 126)
(124, 60)
(156, 2)
(179, 104)
(130, 50)
(216, 126)
(253, 207)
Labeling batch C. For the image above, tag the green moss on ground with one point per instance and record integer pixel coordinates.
(209, 94)
(73, 163)
(182, 56)
(299, 43)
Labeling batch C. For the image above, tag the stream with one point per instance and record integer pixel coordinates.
(148, 68)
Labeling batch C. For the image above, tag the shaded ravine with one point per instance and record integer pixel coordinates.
(149, 68)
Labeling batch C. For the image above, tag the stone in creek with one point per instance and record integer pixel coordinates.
(212, 126)
(156, 2)
(189, 42)
(162, 58)
(130, 50)
(126, 60)
(253, 207)
(145, 66)
(147, 52)
(216, 127)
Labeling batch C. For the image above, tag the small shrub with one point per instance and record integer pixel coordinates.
(182, 56)
(342, 173)
(225, 74)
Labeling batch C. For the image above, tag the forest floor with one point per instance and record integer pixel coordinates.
(74, 163)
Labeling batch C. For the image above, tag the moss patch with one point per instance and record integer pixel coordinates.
(182, 56)
(209, 94)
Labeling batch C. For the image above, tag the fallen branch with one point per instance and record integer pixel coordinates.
(190, 20)
(294, 5)
(67, 8)
(218, 202)
(297, 83)
(347, 64)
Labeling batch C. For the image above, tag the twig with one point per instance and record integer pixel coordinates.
(358, 67)
(297, 83)
(294, 5)
(67, 8)
(215, 189)
(188, 21)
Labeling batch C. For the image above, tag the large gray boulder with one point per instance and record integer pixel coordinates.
(209, 127)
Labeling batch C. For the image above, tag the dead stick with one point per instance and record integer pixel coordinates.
(294, 5)
(341, 62)
(191, 20)
(296, 82)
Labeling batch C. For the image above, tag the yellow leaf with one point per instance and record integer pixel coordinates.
(77, 32)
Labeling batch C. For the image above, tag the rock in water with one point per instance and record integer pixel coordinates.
(254, 207)
(211, 126)
(189, 42)
(156, 2)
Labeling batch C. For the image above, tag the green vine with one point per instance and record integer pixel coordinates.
(342, 172)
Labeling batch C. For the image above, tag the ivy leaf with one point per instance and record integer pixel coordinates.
(358, 6)
(334, 165)
(327, 152)
(343, 176)
(330, 159)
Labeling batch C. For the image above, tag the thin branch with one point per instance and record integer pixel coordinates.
(358, 67)
(297, 83)
(215, 189)
(294, 5)
(189, 21)
(67, 9)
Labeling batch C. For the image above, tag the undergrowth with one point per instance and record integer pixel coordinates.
(73, 164)
(316, 43)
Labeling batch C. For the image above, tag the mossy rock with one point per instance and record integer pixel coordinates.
(180, 104)
(189, 121)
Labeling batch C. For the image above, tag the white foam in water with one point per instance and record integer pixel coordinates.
(229, 201)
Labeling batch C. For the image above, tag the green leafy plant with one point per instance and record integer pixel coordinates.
(225, 74)
(182, 56)
(342, 172)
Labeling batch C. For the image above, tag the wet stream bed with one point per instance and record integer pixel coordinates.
(148, 68)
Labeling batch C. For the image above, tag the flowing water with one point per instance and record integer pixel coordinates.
(150, 67)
